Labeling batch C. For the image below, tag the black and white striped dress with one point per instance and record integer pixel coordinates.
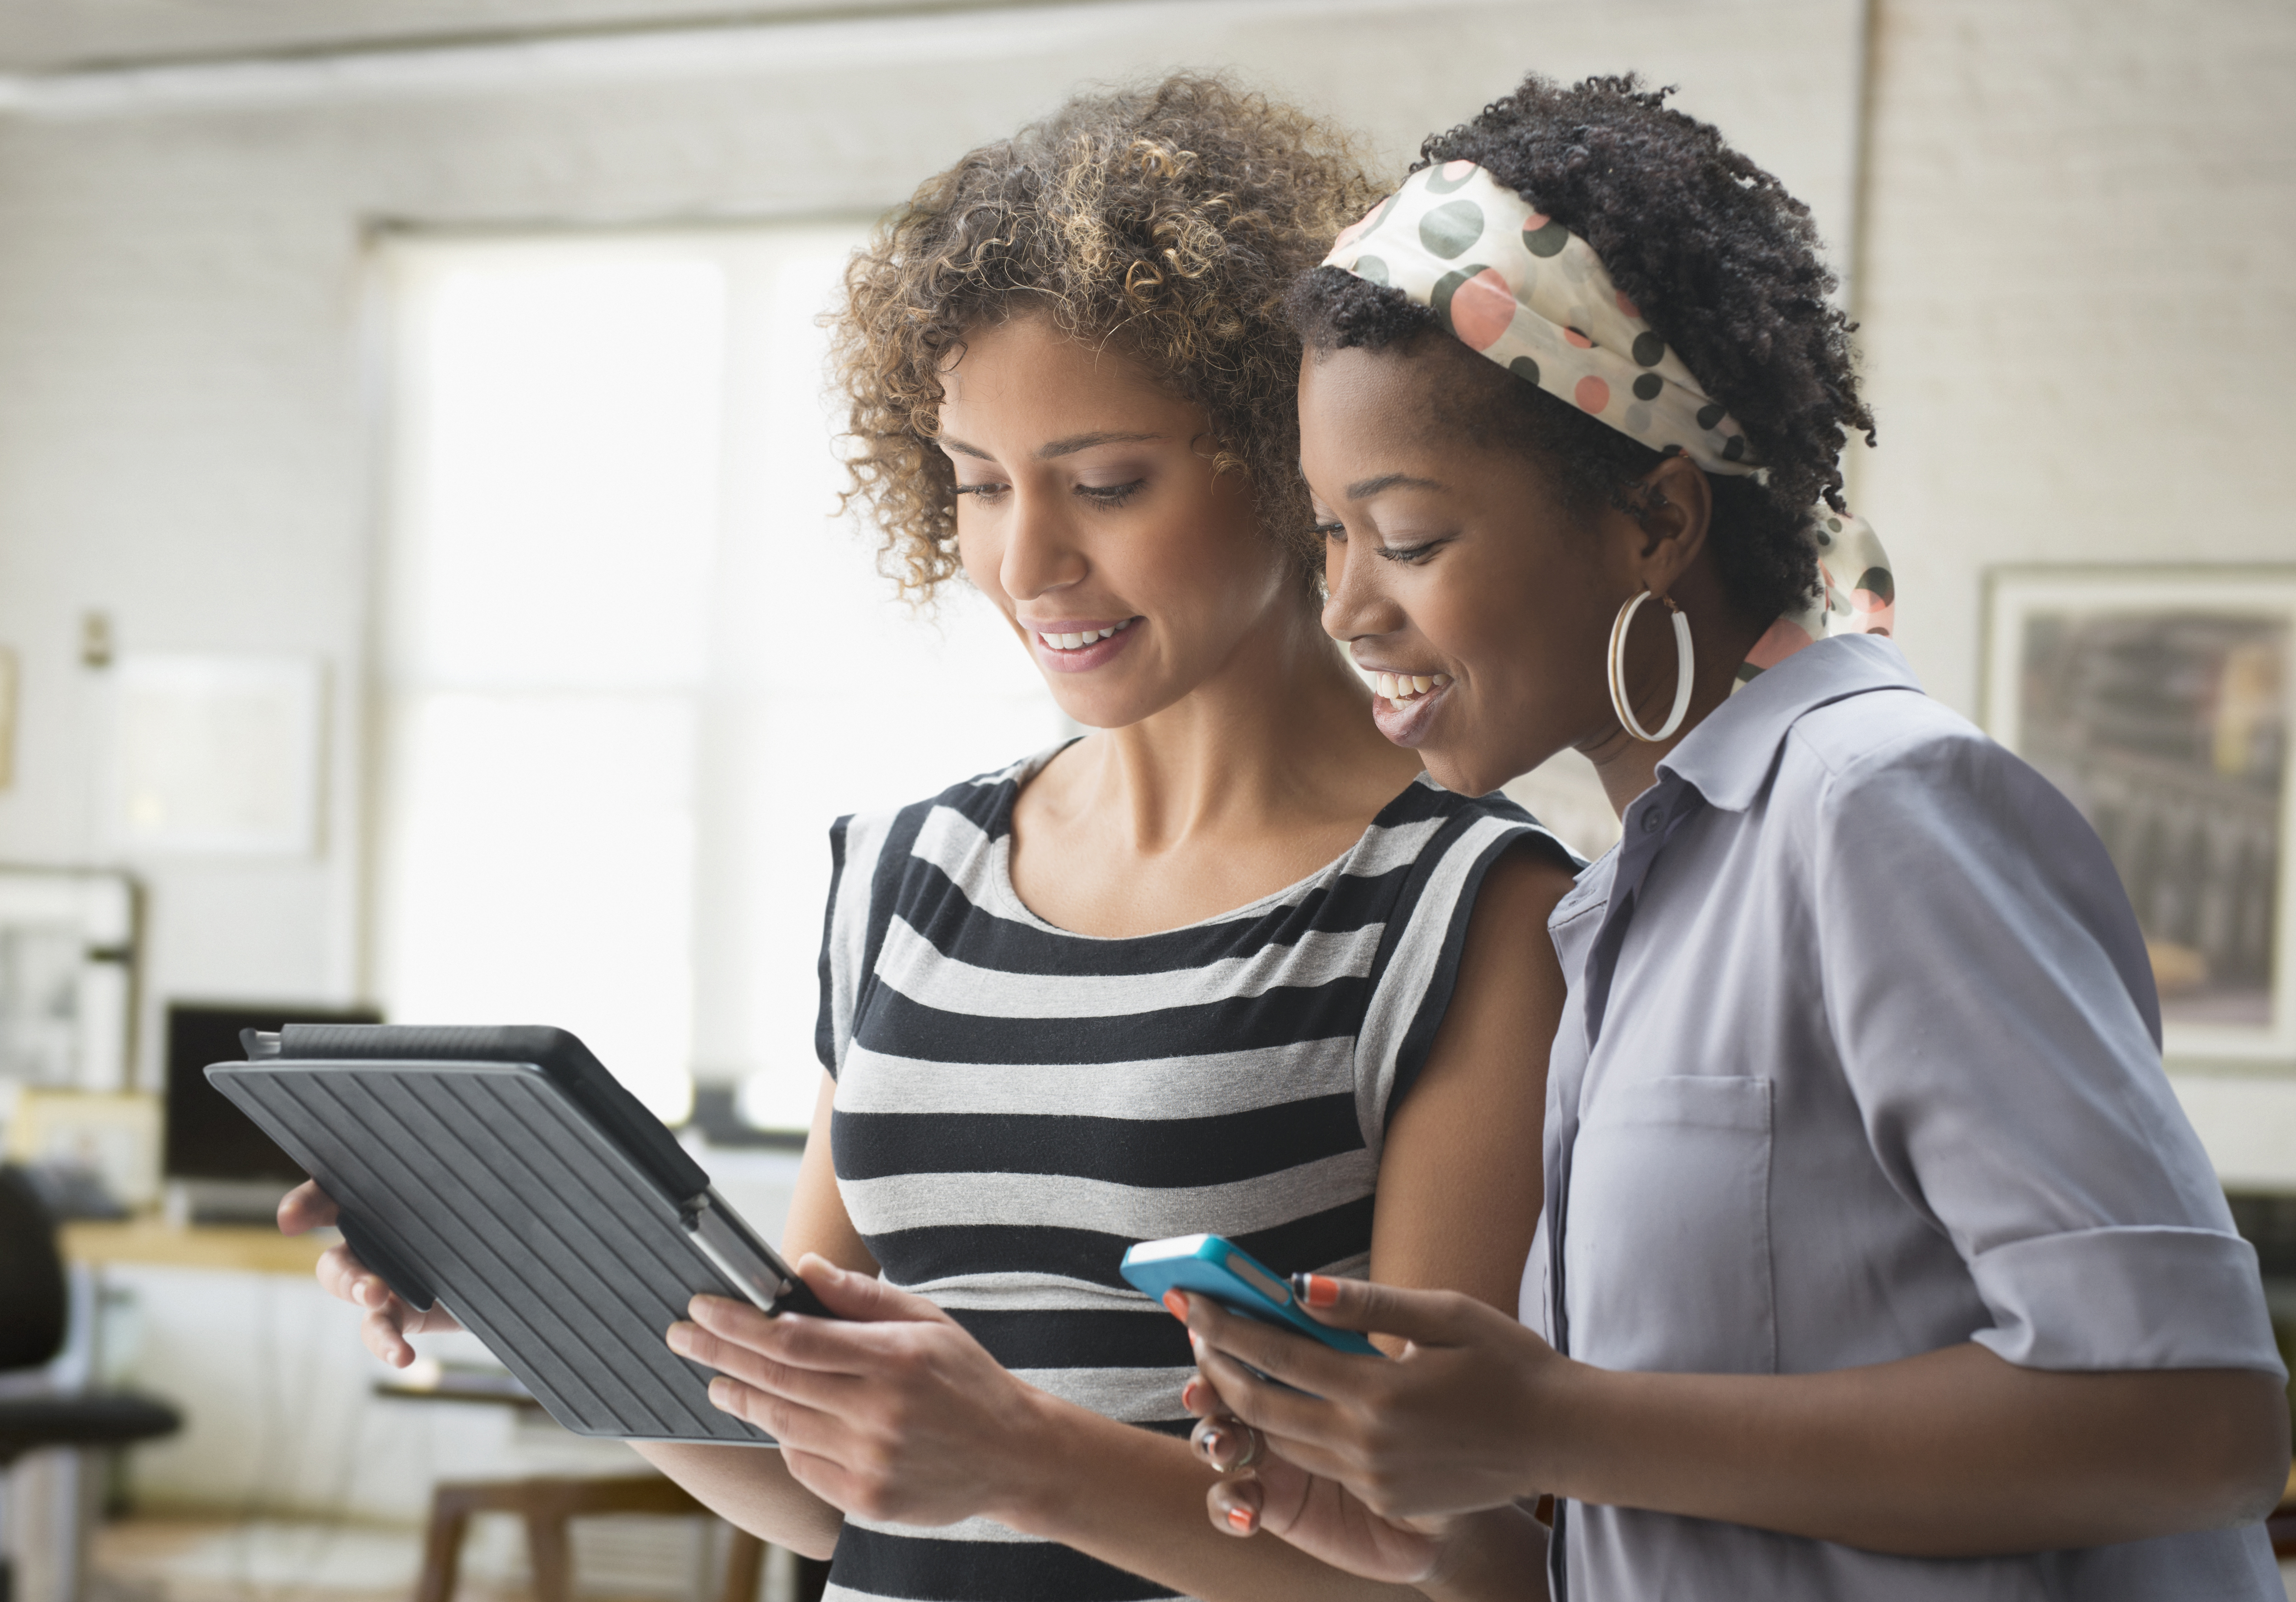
(1017, 1104)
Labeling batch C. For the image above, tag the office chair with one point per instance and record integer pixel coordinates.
(33, 1316)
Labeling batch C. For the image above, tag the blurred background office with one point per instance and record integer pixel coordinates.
(422, 593)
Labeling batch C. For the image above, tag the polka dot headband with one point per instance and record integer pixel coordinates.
(1533, 296)
(1511, 283)
(1856, 594)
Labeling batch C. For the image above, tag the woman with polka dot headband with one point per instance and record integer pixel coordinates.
(1877, 1259)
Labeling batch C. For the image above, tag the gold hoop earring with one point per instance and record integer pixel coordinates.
(1616, 666)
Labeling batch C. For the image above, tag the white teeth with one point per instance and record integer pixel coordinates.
(1403, 688)
(1089, 637)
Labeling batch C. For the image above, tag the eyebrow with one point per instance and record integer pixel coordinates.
(1362, 489)
(1074, 443)
(1067, 446)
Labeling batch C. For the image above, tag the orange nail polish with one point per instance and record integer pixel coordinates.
(1177, 1305)
(1239, 1520)
(1320, 1291)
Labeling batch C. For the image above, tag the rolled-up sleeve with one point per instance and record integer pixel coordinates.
(1987, 989)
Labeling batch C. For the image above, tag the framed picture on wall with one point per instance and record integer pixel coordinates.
(2159, 699)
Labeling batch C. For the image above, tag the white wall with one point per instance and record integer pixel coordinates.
(2078, 307)
(187, 409)
(2079, 316)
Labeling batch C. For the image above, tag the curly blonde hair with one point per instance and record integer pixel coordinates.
(1169, 221)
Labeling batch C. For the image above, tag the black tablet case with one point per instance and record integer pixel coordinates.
(505, 1174)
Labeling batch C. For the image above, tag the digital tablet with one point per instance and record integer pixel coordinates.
(504, 1174)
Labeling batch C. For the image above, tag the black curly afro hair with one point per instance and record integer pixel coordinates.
(1720, 259)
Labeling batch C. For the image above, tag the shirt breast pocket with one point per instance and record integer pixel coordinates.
(1665, 1256)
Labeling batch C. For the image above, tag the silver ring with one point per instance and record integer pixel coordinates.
(1258, 1449)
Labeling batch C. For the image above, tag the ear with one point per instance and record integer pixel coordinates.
(1674, 509)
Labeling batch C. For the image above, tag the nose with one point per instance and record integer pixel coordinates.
(1355, 608)
(1040, 550)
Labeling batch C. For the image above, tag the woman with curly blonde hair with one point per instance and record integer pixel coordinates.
(1227, 964)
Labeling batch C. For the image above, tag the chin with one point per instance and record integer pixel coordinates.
(1105, 701)
(1106, 711)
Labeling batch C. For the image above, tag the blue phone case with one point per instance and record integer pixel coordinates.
(1208, 1265)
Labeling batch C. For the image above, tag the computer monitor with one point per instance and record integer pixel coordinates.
(207, 1137)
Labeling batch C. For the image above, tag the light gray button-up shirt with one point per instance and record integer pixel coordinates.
(1861, 1060)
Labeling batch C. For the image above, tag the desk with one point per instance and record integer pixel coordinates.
(151, 1242)
(430, 1380)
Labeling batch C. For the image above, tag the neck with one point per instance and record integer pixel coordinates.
(1280, 734)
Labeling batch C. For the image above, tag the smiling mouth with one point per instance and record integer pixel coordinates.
(1079, 641)
(1405, 688)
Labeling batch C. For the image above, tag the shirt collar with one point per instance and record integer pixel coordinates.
(1728, 758)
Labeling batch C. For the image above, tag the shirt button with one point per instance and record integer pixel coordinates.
(1651, 820)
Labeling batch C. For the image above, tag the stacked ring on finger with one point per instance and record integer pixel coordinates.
(1229, 1424)
(1257, 1448)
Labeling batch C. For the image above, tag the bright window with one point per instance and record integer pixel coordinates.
(633, 663)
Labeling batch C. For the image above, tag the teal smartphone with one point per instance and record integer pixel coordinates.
(1207, 1265)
